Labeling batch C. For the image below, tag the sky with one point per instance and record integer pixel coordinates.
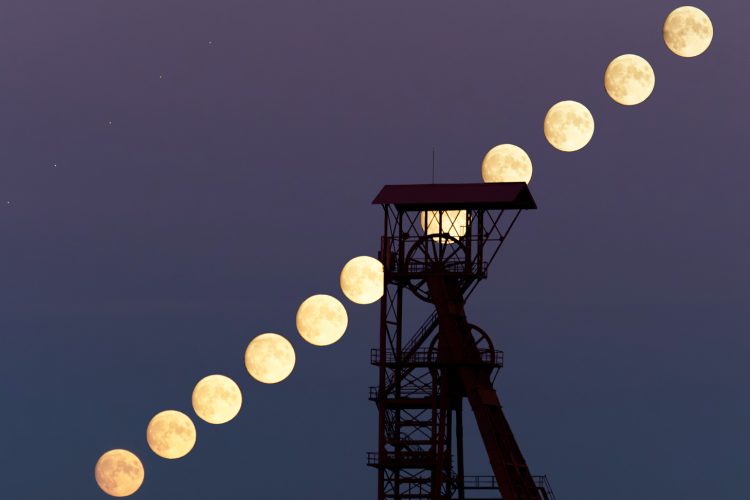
(176, 177)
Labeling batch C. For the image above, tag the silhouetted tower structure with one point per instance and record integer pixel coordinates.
(438, 241)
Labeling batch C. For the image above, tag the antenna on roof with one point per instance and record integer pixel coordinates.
(433, 164)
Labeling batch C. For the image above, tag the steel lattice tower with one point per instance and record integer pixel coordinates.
(438, 241)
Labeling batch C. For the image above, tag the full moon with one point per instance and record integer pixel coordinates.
(629, 79)
(171, 434)
(568, 126)
(506, 163)
(119, 473)
(451, 222)
(362, 280)
(321, 320)
(217, 399)
(269, 358)
(688, 31)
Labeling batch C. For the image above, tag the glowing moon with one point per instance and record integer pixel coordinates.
(119, 473)
(688, 31)
(451, 222)
(568, 126)
(171, 434)
(506, 163)
(321, 320)
(629, 79)
(269, 358)
(217, 399)
(362, 280)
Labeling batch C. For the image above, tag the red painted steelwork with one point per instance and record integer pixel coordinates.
(425, 376)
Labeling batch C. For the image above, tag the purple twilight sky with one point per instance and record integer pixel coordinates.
(177, 176)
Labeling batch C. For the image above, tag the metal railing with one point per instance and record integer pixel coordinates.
(407, 391)
(430, 356)
(479, 483)
(404, 458)
(452, 266)
(490, 483)
(544, 487)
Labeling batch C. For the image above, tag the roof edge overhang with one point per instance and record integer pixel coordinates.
(488, 196)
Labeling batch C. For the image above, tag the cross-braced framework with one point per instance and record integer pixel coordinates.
(438, 242)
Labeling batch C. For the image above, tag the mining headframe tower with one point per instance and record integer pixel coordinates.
(438, 242)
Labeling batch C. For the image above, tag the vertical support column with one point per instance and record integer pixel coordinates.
(397, 377)
(384, 252)
(398, 355)
(468, 240)
(481, 237)
(441, 406)
(460, 449)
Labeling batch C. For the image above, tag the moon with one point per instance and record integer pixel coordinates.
(119, 473)
(217, 399)
(269, 358)
(452, 222)
(321, 320)
(688, 31)
(362, 280)
(629, 79)
(506, 163)
(568, 126)
(171, 434)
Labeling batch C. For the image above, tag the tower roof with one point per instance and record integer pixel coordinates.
(491, 195)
